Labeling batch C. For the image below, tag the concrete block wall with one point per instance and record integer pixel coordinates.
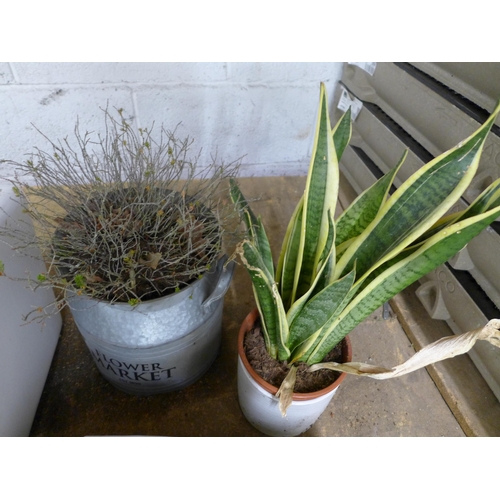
(263, 112)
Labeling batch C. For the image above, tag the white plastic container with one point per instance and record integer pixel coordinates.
(26, 350)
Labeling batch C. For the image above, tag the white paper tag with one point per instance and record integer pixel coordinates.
(369, 67)
(347, 101)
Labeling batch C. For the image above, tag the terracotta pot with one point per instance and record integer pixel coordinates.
(260, 405)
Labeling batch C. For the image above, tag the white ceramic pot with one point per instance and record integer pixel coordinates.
(260, 405)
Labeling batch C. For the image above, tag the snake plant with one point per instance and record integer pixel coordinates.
(333, 272)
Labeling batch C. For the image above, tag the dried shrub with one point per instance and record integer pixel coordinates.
(122, 217)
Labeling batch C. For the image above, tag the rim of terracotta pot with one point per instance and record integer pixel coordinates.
(247, 325)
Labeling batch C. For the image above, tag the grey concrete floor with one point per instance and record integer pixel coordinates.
(406, 406)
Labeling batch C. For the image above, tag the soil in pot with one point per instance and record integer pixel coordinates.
(274, 371)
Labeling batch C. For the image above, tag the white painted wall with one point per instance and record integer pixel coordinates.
(265, 111)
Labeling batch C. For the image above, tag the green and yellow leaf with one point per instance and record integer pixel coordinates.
(434, 252)
(320, 196)
(365, 207)
(418, 203)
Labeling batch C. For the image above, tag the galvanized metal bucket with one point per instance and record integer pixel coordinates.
(161, 345)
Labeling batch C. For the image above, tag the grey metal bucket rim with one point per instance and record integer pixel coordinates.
(179, 296)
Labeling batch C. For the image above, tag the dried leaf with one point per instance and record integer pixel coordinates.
(447, 347)
(93, 278)
(150, 259)
(285, 392)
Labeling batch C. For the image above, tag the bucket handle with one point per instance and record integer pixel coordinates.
(222, 285)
